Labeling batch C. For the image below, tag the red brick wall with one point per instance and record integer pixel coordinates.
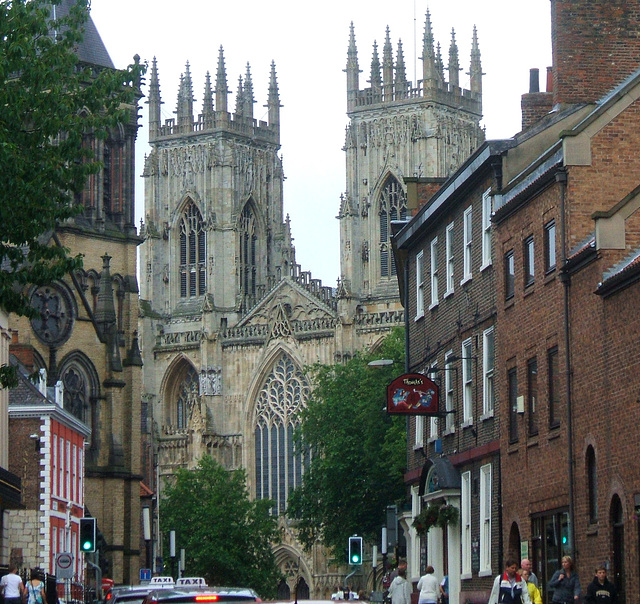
(596, 45)
(534, 468)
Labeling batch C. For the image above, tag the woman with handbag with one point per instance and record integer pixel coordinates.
(35, 588)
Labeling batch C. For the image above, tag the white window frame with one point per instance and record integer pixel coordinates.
(54, 467)
(465, 524)
(467, 229)
(419, 435)
(448, 393)
(485, 520)
(487, 210)
(420, 285)
(450, 259)
(488, 374)
(467, 383)
(434, 273)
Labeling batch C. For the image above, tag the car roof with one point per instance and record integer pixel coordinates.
(228, 594)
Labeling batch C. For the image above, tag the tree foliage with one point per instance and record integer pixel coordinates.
(49, 105)
(359, 452)
(227, 537)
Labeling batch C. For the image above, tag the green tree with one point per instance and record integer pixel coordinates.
(49, 105)
(359, 452)
(227, 537)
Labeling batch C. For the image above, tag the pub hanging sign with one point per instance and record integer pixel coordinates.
(412, 394)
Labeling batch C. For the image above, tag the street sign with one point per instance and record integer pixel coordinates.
(145, 574)
(64, 566)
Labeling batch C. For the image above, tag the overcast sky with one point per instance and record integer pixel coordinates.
(308, 42)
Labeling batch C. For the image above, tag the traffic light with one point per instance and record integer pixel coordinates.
(88, 535)
(355, 550)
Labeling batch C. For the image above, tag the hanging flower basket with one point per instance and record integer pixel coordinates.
(448, 514)
(427, 518)
(435, 515)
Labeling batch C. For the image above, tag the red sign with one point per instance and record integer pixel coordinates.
(412, 394)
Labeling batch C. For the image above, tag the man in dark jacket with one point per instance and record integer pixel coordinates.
(601, 590)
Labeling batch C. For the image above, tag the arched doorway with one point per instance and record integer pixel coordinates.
(616, 520)
(513, 551)
(302, 589)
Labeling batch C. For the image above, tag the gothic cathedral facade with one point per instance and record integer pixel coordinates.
(228, 318)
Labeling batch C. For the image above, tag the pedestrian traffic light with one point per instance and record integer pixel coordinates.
(88, 535)
(355, 550)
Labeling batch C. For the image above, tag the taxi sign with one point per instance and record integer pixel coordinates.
(191, 582)
(162, 582)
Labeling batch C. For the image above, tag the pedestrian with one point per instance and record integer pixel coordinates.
(444, 590)
(12, 587)
(35, 588)
(402, 565)
(429, 587)
(534, 592)
(509, 587)
(400, 589)
(565, 583)
(601, 590)
(526, 565)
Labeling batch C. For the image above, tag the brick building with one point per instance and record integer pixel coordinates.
(566, 237)
(454, 459)
(47, 453)
(565, 270)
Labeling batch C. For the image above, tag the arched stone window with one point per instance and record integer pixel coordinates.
(193, 251)
(393, 206)
(81, 391)
(592, 484)
(248, 252)
(278, 467)
(186, 396)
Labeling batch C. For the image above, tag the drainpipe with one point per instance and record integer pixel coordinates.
(561, 178)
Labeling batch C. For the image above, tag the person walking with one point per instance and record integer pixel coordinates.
(12, 587)
(35, 588)
(400, 589)
(429, 587)
(534, 592)
(526, 565)
(509, 587)
(601, 590)
(565, 583)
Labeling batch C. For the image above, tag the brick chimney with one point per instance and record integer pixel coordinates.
(595, 46)
(535, 104)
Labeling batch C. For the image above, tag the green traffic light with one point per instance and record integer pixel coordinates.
(86, 545)
(355, 559)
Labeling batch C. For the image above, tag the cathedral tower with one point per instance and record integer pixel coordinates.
(399, 129)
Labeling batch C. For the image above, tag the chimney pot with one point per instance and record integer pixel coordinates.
(534, 80)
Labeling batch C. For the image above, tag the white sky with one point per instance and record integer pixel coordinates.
(308, 42)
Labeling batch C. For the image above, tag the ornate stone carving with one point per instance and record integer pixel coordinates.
(211, 381)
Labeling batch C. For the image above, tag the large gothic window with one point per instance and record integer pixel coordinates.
(192, 253)
(187, 397)
(248, 252)
(279, 467)
(393, 206)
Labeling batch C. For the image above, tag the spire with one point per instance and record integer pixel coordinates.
(352, 70)
(207, 103)
(454, 63)
(401, 75)
(475, 71)
(375, 81)
(439, 65)
(387, 67)
(273, 104)
(222, 91)
(240, 98)
(184, 111)
(154, 101)
(248, 94)
(429, 64)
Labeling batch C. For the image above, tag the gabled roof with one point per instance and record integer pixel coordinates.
(92, 49)
(623, 274)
